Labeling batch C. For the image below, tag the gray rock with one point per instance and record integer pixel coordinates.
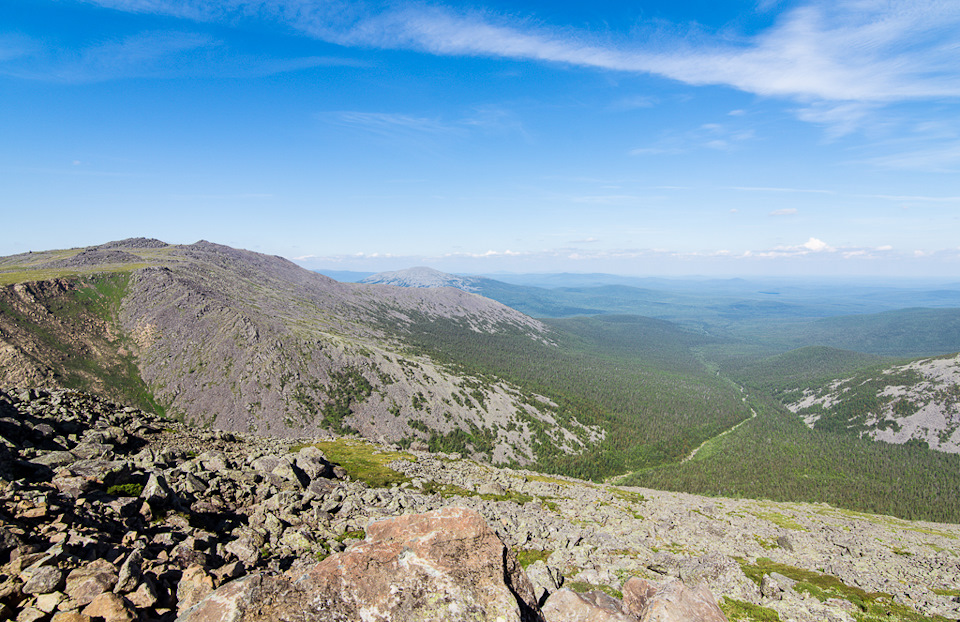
(43, 580)
(157, 492)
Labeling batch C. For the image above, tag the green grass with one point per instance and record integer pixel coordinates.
(871, 605)
(738, 610)
(364, 461)
(29, 275)
(527, 557)
(125, 490)
(580, 586)
(780, 520)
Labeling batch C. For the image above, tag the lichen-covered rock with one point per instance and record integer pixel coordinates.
(568, 606)
(441, 565)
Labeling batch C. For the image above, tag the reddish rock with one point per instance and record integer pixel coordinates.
(110, 607)
(675, 602)
(444, 565)
(637, 594)
(194, 585)
(89, 581)
(565, 605)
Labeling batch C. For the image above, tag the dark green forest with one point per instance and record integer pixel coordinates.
(660, 390)
(635, 377)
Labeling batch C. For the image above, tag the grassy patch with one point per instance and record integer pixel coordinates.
(364, 461)
(628, 495)
(530, 556)
(946, 592)
(581, 586)
(872, 605)
(780, 520)
(737, 610)
(125, 490)
(358, 534)
(452, 490)
(31, 275)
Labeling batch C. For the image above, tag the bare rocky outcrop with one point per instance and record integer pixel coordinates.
(916, 401)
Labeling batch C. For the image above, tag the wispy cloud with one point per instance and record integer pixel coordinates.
(779, 190)
(853, 51)
(154, 54)
(913, 198)
(715, 136)
(942, 158)
(389, 124)
(786, 211)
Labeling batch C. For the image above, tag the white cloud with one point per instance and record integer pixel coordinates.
(816, 245)
(853, 51)
(936, 158)
(715, 136)
(787, 211)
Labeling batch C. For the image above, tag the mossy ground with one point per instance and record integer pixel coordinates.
(738, 610)
(873, 606)
(365, 461)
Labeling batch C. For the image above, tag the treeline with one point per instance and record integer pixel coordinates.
(775, 456)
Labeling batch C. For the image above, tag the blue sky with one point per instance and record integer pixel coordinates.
(647, 138)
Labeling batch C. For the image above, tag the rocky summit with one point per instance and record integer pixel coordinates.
(109, 513)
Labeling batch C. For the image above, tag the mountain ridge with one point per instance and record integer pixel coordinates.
(250, 342)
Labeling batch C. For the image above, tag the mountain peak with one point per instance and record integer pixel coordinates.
(422, 277)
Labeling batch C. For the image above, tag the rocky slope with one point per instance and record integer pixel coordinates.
(110, 513)
(247, 342)
(916, 401)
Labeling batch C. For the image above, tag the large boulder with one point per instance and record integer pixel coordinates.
(444, 565)
(671, 602)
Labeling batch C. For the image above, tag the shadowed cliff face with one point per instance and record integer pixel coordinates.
(248, 342)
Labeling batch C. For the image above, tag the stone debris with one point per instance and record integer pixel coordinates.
(109, 514)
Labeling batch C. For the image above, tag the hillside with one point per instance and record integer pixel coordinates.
(241, 341)
(916, 402)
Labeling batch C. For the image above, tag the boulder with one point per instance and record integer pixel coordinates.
(566, 605)
(89, 581)
(442, 565)
(637, 593)
(110, 608)
(672, 602)
(193, 587)
(43, 580)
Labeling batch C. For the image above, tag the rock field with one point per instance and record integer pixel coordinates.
(110, 513)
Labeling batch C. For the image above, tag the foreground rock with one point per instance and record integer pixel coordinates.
(441, 565)
(110, 513)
